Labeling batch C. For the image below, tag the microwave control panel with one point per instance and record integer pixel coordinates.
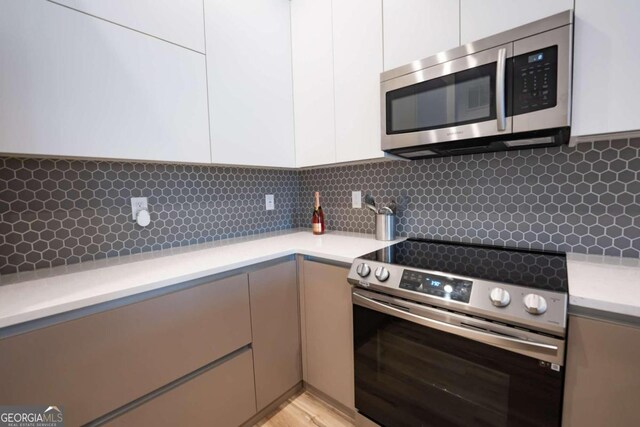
(535, 80)
(437, 285)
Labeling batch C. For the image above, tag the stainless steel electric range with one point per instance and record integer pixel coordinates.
(451, 334)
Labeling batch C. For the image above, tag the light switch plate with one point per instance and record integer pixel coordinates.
(138, 204)
(269, 202)
(356, 199)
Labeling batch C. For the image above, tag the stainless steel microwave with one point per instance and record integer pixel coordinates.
(508, 91)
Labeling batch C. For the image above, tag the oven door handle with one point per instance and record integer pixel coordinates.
(534, 349)
(501, 69)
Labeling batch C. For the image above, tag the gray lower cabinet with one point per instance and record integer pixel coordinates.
(95, 364)
(222, 396)
(275, 325)
(602, 383)
(328, 331)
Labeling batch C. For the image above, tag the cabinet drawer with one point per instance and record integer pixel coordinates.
(223, 396)
(98, 363)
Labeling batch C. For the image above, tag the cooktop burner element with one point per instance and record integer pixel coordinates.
(517, 287)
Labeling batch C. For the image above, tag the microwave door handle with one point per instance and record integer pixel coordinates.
(489, 338)
(501, 70)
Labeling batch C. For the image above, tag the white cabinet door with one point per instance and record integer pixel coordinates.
(74, 85)
(250, 82)
(479, 19)
(357, 50)
(178, 21)
(313, 88)
(605, 68)
(416, 29)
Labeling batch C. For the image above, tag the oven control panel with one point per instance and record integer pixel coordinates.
(528, 307)
(437, 285)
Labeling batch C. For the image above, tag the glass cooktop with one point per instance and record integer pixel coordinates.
(536, 269)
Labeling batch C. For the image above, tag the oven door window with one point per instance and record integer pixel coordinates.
(461, 98)
(411, 375)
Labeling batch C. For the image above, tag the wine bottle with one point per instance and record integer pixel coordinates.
(317, 221)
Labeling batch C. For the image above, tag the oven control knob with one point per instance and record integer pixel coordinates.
(534, 304)
(363, 270)
(382, 274)
(499, 297)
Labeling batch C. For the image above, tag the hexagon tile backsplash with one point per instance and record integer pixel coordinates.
(65, 211)
(583, 199)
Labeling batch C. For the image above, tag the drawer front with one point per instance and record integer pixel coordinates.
(223, 396)
(98, 363)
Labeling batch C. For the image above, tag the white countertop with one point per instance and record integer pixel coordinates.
(37, 294)
(604, 283)
(41, 293)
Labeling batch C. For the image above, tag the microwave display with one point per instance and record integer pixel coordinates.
(535, 58)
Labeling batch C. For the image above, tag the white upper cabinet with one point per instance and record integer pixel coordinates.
(178, 21)
(313, 86)
(250, 82)
(337, 60)
(74, 85)
(357, 50)
(483, 18)
(605, 68)
(416, 29)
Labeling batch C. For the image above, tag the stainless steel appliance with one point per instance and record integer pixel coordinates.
(508, 91)
(451, 334)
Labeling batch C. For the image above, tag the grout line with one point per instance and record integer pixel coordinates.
(124, 26)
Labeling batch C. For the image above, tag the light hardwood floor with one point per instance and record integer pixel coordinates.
(305, 409)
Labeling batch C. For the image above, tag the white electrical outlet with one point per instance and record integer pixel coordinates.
(138, 204)
(356, 199)
(269, 202)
